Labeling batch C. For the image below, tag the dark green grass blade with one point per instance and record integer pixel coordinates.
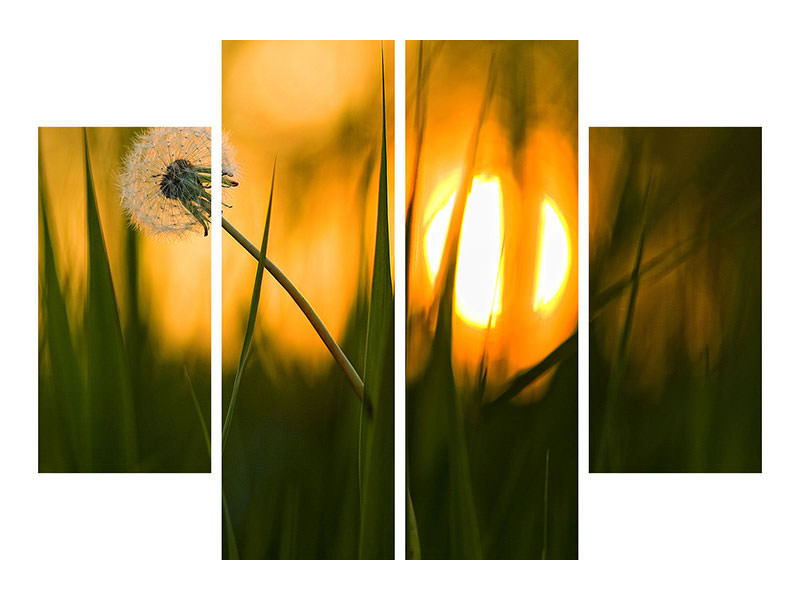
(64, 364)
(414, 551)
(233, 548)
(199, 411)
(610, 451)
(251, 319)
(514, 387)
(546, 512)
(465, 539)
(668, 260)
(114, 444)
(233, 551)
(376, 538)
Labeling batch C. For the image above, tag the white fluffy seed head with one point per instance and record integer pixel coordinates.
(164, 182)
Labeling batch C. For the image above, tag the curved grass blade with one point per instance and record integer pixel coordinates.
(564, 350)
(108, 381)
(64, 363)
(251, 319)
(376, 535)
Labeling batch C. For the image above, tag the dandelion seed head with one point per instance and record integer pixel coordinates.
(166, 180)
(229, 166)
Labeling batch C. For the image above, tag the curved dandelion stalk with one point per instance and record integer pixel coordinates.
(303, 304)
(165, 189)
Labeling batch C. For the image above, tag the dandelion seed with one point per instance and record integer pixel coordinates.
(166, 181)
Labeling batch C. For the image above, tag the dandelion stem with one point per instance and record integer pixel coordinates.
(303, 304)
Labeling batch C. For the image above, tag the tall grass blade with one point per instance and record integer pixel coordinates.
(233, 550)
(609, 452)
(251, 319)
(64, 363)
(376, 536)
(108, 379)
(419, 123)
(465, 540)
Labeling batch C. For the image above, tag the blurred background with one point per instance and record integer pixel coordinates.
(141, 416)
(675, 299)
(291, 465)
(505, 471)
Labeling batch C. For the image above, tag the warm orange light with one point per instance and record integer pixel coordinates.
(553, 264)
(479, 266)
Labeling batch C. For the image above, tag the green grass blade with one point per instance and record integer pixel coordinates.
(291, 520)
(199, 411)
(233, 548)
(251, 318)
(609, 451)
(445, 278)
(516, 385)
(109, 386)
(465, 539)
(414, 552)
(666, 261)
(376, 536)
(64, 363)
(546, 515)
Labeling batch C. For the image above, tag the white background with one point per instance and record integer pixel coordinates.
(641, 536)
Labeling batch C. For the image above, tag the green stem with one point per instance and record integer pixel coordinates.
(305, 307)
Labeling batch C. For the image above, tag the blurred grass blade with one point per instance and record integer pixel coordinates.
(376, 536)
(668, 260)
(609, 450)
(465, 541)
(109, 386)
(251, 318)
(64, 363)
(564, 350)
(420, 114)
(546, 516)
(414, 552)
(289, 532)
(445, 278)
(199, 411)
(233, 548)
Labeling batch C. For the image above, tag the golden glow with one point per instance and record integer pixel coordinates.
(479, 282)
(435, 237)
(553, 256)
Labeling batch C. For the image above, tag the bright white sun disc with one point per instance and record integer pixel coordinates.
(553, 256)
(479, 284)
